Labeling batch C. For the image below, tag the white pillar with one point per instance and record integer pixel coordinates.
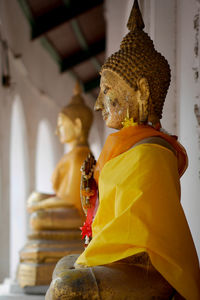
(45, 163)
(4, 192)
(188, 94)
(19, 181)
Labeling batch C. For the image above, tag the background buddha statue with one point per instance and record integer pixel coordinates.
(74, 122)
(141, 246)
(56, 219)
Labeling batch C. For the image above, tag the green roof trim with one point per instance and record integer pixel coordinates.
(54, 54)
(83, 43)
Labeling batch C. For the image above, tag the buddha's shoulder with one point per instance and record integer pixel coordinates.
(76, 156)
(80, 152)
(147, 150)
(143, 154)
(139, 163)
(150, 148)
(82, 149)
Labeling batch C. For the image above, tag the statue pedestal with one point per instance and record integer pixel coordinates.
(10, 290)
(39, 256)
(45, 245)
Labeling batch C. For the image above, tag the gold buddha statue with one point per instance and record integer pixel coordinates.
(55, 220)
(140, 245)
(74, 122)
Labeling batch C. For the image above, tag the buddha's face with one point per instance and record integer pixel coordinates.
(66, 129)
(115, 99)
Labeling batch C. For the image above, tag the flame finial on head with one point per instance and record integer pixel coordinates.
(77, 89)
(77, 97)
(135, 20)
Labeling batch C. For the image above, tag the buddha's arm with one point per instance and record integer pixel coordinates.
(64, 194)
(68, 189)
(73, 191)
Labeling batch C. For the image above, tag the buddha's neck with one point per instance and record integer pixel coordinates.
(77, 143)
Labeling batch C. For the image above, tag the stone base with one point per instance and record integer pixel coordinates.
(56, 219)
(34, 274)
(49, 250)
(39, 257)
(55, 234)
(10, 290)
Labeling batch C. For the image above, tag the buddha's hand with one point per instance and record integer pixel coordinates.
(78, 266)
(88, 185)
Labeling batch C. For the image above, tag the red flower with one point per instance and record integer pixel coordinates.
(86, 230)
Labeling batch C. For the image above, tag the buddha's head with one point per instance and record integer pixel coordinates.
(135, 79)
(74, 120)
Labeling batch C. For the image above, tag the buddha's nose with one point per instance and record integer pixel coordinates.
(99, 102)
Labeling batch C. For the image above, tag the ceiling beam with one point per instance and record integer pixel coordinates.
(83, 55)
(61, 14)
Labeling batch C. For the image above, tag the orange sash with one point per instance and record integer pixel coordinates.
(126, 138)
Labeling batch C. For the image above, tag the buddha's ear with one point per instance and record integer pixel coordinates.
(78, 124)
(143, 87)
(143, 99)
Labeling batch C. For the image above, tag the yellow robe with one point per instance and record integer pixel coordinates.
(140, 210)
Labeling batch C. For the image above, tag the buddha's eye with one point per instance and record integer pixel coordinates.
(106, 90)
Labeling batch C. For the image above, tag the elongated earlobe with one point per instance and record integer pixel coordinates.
(143, 100)
(78, 127)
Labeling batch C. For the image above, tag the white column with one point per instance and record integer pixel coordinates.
(19, 179)
(188, 94)
(4, 192)
(45, 163)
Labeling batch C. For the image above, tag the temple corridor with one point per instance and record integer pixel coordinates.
(37, 90)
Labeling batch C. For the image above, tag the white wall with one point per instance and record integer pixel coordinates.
(19, 182)
(5, 112)
(45, 163)
(188, 94)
